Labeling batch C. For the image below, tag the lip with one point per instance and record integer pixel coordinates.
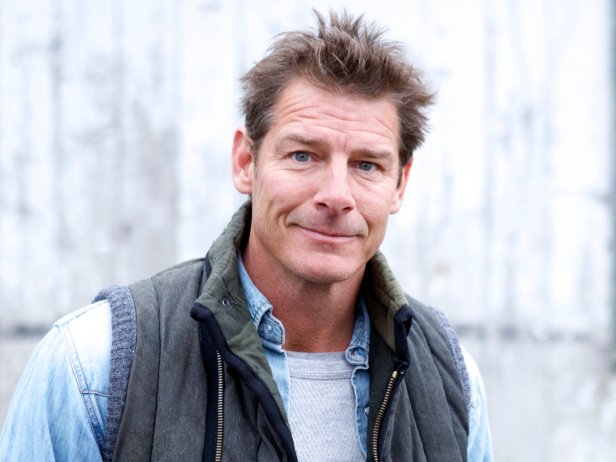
(327, 236)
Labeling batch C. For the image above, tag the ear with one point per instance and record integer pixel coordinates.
(243, 164)
(399, 195)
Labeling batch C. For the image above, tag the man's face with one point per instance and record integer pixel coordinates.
(325, 181)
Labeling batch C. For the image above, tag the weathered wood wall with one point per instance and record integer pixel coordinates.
(116, 121)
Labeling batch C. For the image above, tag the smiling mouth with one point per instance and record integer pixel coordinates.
(327, 235)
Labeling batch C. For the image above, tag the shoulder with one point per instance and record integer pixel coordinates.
(170, 285)
(86, 316)
(434, 319)
(188, 269)
(473, 370)
(479, 438)
(60, 403)
(86, 336)
(476, 390)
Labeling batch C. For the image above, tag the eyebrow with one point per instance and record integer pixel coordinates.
(297, 138)
(321, 145)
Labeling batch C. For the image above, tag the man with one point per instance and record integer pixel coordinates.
(291, 340)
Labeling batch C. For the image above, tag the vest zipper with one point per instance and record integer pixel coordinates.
(220, 405)
(380, 415)
(214, 342)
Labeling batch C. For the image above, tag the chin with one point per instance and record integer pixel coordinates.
(326, 274)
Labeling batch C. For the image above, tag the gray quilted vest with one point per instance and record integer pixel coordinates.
(189, 380)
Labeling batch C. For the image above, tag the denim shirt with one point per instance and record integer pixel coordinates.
(59, 408)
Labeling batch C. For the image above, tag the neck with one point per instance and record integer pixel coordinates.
(316, 317)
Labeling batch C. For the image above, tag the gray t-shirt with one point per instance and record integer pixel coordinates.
(322, 407)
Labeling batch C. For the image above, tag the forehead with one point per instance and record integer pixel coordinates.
(303, 106)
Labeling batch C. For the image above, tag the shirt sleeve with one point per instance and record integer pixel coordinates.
(479, 438)
(54, 415)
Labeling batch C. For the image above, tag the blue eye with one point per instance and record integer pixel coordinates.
(301, 156)
(366, 166)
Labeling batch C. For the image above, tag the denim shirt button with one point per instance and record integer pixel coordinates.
(367, 410)
(268, 328)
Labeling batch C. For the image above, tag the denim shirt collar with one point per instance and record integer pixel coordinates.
(357, 351)
(261, 311)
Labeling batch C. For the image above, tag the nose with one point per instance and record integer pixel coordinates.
(334, 189)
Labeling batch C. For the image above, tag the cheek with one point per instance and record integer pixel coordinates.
(378, 225)
(377, 219)
(287, 188)
(376, 206)
(273, 196)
